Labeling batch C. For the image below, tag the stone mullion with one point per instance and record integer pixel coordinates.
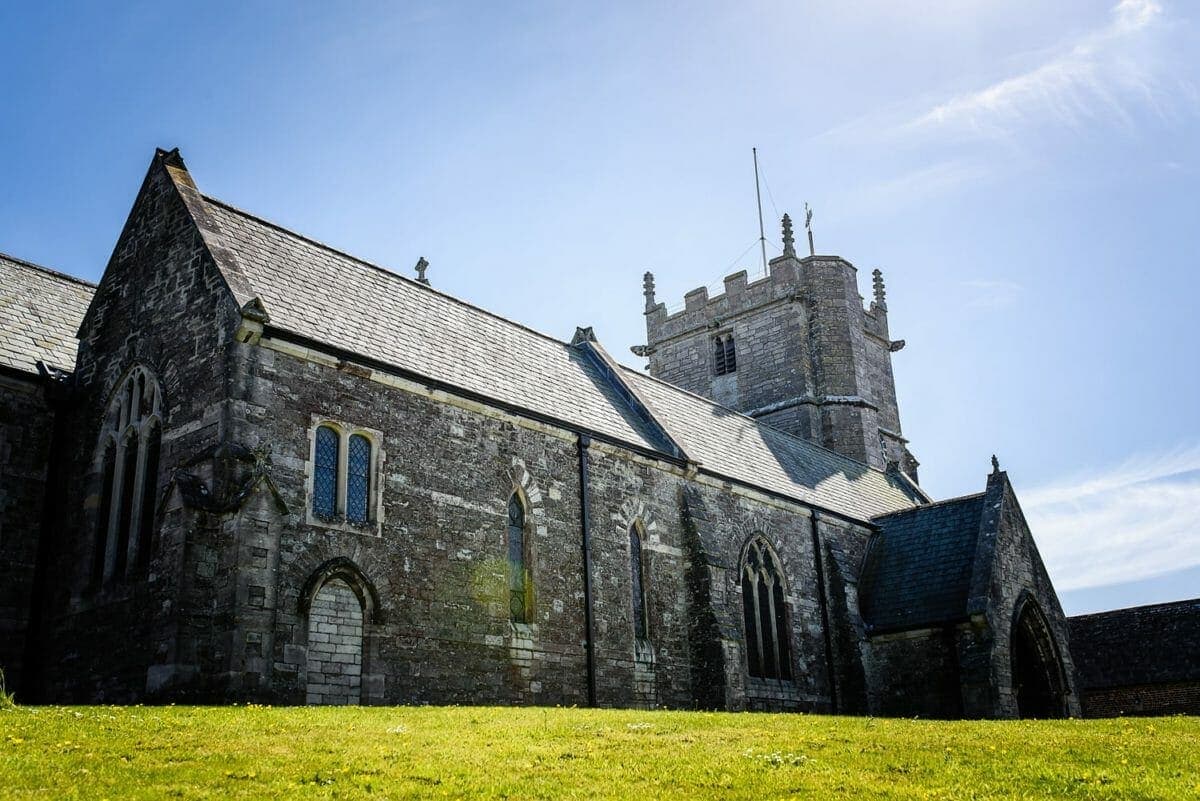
(135, 513)
(757, 633)
(343, 466)
(768, 580)
(114, 512)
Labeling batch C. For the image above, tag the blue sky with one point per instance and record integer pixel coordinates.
(1024, 173)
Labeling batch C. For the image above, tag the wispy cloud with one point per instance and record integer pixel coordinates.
(1136, 520)
(1103, 72)
(992, 294)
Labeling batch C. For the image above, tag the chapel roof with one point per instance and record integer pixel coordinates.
(1141, 645)
(918, 566)
(40, 312)
(330, 297)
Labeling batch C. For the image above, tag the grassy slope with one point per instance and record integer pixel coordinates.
(254, 752)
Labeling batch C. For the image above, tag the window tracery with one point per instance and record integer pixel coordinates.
(764, 609)
(128, 459)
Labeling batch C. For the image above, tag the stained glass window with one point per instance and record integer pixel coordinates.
(639, 589)
(764, 613)
(325, 475)
(358, 478)
(518, 570)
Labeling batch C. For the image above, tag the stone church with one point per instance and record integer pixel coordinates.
(247, 466)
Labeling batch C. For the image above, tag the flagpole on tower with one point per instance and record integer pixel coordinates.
(762, 237)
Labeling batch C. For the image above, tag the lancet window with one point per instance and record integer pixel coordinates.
(637, 572)
(764, 607)
(520, 594)
(127, 461)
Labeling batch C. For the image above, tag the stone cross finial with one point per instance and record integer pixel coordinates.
(812, 251)
(648, 291)
(877, 284)
(995, 464)
(422, 266)
(789, 241)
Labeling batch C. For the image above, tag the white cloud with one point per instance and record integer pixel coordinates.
(992, 294)
(1133, 521)
(1101, 73)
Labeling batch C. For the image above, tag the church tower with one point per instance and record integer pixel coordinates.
(795, 349)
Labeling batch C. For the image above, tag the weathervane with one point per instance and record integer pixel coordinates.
(812, 251)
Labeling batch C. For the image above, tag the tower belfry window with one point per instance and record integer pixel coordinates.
(724, 355)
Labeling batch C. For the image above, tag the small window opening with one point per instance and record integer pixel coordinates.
(519, 594)
(724, 355)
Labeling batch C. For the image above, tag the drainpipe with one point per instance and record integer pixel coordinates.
(822, 602)
(585, 527)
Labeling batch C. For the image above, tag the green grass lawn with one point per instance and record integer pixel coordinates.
(489, 752)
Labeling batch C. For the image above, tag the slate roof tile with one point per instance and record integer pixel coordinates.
(40, 313)
(918, 567)
(1167, 638)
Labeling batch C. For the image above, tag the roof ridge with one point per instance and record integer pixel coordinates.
(755, 421)
(48, 270)
(1142, 608)
(944, 502)
(386, 271)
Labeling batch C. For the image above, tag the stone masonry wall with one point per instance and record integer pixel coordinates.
(1016, 572)
(26, 424)
(810, 359)
(435, 555)
(915, 673)
(768, 324)
(724, 522)
(1170, 698)
(161, 303)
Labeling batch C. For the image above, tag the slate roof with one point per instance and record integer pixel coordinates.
(40, 312)
(918, 566)
(740, 447)
(320, 293)
(328, 296)
(1141, 645)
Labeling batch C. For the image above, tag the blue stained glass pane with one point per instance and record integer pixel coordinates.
(325, 475)
(358, 478)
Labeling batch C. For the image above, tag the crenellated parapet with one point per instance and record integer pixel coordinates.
(794, 347)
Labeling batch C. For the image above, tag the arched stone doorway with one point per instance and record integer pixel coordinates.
(335, 645)
(1037, 672)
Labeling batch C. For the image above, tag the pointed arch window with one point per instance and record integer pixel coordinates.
(764, 610)
(325, 472)
(641, 628)
(128, 464)
(724, 355)
(519, 584)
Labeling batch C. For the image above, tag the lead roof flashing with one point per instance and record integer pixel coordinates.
(585, 340)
